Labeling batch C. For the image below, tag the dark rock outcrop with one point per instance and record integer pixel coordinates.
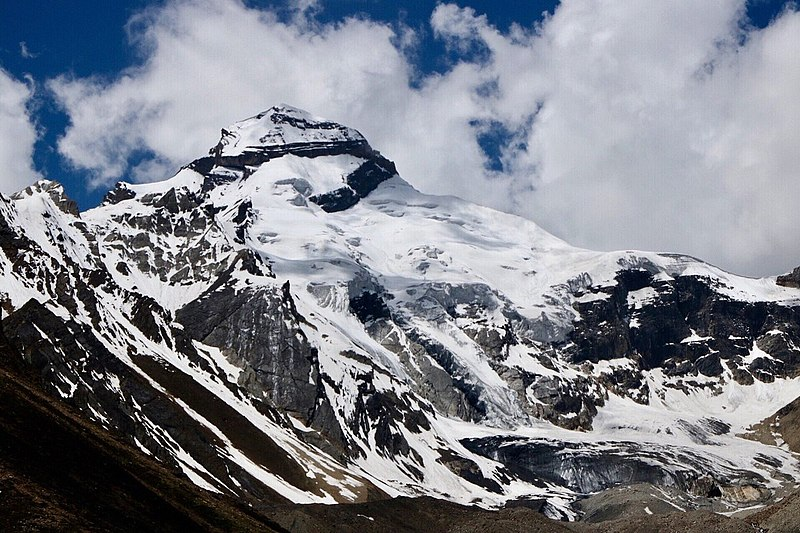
(258, 331)
(790, 280)
(118, 194)
(599, 466)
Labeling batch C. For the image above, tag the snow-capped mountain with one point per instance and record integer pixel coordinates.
(286, 318)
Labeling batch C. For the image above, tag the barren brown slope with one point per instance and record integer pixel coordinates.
(783, 517)
(59, 472)
(784, 424)
(406, 515)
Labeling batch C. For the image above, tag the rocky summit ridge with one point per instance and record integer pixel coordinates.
(287, 320)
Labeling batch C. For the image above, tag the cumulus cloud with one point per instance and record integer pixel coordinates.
(662, 126)
(18, 135)
(651, 125)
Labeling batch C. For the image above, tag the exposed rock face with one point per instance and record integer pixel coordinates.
(608, 465)
(258, 332)
(56, 193)
(360, 183)
(790, 280)
(686, 328)
(287, 318)
(118, 194)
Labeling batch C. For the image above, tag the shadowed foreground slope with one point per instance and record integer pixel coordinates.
(59, 472)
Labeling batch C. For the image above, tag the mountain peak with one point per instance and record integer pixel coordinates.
(347, 168)
(331, 165)
(281, 126)
(296, 321)
(54, 190)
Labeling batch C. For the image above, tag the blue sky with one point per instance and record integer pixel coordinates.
(499, 102)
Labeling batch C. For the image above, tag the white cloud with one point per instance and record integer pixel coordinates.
(457, 24)
(25, 52)
(659, 130)
(18, 135)
(653, 125)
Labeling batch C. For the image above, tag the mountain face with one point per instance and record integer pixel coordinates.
(288, 320)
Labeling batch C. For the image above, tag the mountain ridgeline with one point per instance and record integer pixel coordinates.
(286, 320)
